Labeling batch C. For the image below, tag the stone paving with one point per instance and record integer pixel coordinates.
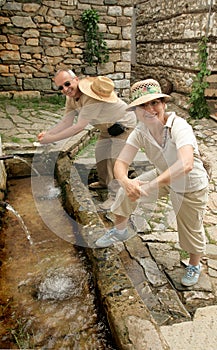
(152, 258)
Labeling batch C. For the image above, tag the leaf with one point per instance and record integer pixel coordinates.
(96, 50)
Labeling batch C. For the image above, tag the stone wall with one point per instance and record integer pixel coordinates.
(41, 36)
(146, 38)
(167, 36)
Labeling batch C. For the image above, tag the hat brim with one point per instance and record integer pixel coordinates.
(144, 99)
(85, 87)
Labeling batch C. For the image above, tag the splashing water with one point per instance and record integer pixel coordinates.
(28, 236)
(57, 287)
(25, 161)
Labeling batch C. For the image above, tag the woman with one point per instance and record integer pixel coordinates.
(170, 145)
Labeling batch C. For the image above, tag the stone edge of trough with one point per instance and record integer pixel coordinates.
(129, 319)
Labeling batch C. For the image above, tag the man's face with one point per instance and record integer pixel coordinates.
(67, 84)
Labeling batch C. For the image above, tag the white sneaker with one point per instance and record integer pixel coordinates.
(112, 236)
(191, 275)
(107, 204)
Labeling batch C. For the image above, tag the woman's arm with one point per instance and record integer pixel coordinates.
(132, 187)
(182, 166)
(135, 188)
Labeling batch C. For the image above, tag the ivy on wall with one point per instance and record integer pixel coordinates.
(198, 103)
(96, 50)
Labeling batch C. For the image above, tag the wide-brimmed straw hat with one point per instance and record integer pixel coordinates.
(145, 91)
(101, 88)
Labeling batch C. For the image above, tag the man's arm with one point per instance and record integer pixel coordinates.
(66, 122)
(64, 133)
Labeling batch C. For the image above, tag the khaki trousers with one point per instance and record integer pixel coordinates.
(188, 207)
(107, 150)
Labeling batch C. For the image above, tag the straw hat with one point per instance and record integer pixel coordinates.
(145, 91)
(101, 88)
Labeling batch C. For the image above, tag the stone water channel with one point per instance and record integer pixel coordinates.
(47, 295)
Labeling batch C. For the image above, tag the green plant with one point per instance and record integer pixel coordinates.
(20, 334)
(82, 151)
(96, 50)
(198, 104)
(15, 139)
(183, 254)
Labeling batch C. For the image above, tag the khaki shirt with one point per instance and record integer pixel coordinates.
(100, 114)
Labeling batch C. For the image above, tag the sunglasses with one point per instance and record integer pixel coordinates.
(66, 84)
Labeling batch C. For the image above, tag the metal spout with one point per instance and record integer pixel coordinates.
(3, 204)
(4, 157)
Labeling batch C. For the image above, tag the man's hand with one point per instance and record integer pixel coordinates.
(41, 135)
(44, 137)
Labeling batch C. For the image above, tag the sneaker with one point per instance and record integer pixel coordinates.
(112, 236)
(96, 186)
(191, 275)
(106, 206)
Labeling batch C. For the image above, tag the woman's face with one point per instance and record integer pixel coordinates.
(151, 110)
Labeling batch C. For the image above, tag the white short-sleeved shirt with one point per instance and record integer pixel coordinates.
(177, 134)
(101, 113)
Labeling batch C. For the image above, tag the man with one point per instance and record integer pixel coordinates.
(93, 101)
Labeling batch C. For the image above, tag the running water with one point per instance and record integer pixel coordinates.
(25, 161)
(28, 236)
(13, 156)
(47, 295)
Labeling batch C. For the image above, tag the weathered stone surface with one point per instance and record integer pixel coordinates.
(38, 84)
(154, 275)
(164, 255)
(23, 22)
(196, 334)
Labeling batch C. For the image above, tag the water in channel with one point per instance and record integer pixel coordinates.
(47, 298)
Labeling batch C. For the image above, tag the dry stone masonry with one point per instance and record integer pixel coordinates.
(39, 37)
(146, 38)
(167, 35)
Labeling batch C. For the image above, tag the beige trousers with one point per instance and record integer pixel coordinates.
(188, 207)
(107, 150)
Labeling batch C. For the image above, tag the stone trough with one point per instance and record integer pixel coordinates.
(130, 321)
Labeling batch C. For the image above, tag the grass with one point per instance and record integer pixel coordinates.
(183, 254)
(83, 150)
(53, 102)
(15, 139)
(210, 240)
(20, 335)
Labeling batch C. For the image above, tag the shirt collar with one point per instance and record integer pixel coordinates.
(170, 119)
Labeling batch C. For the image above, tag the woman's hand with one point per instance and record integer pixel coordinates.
(136, 188)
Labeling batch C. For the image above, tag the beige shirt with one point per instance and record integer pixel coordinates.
(100, 114)
(162, 157)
